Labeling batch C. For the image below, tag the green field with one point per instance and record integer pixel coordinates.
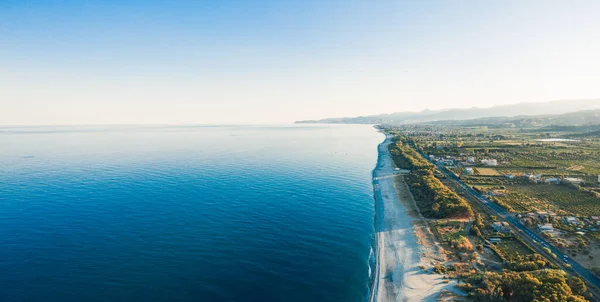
(564, 197)
(520, 202)
(509, 248)
(486, 172)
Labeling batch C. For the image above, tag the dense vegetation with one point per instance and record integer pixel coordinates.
(542, 285)
(531, 262)
(453, 234)
(433, 198)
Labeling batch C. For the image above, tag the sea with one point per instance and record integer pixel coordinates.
(186, 213)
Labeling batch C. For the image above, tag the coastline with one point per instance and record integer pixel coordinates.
(399, 254)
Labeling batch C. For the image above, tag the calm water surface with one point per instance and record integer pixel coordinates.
(230, 213)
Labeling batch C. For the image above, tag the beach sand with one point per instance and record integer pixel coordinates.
(400, 253)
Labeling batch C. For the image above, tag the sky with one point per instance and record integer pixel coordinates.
(259, 62)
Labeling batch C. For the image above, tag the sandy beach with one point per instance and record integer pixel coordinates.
(400, 253)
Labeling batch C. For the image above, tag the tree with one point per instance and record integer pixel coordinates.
(479, 221)
(582, 244)
(540, 285)
(475, 231)
(577, 285)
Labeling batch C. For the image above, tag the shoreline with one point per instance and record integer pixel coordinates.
(399, 257)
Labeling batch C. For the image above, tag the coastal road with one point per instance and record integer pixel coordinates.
(534, 240)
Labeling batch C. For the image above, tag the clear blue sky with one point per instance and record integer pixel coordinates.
(244, 61)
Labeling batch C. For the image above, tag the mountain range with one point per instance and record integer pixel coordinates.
(513, 110)
(577, 118)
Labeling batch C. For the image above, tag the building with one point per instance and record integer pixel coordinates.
(494, 240)
(501, 227)
(469, 171)
(494, 193)
(471, 160)
(449, 162)
(571, 220)
(509, 176)
(572, 180)
(546, 228)
(552, 180)
(489, 162)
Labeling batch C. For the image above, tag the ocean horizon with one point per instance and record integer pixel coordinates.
(186, 213)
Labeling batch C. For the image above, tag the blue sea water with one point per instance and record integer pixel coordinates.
(186, 213)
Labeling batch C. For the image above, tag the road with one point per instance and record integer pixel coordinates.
(533, 239)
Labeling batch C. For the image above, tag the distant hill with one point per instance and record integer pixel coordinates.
(586, 134)
(542, 108)
(564, 121)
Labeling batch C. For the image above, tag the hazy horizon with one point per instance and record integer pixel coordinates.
(274, 62)
(218, 124)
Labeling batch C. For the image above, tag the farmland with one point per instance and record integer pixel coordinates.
(522, 170)
(523, 160)
(561, 199)
(486, 172)
(551, 197)
(521, 202)
(537, 190)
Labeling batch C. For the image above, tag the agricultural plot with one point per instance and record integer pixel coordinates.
(486, 181)
(517, 171)
(486, 172)
(572, 159)
(520, 202)
(564, 197)
(510, 246)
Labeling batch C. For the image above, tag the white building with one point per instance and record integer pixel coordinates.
(546, 228)
(501, 227)
(489, 162)
(575, 181)
(469, 171)
(571, 219)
